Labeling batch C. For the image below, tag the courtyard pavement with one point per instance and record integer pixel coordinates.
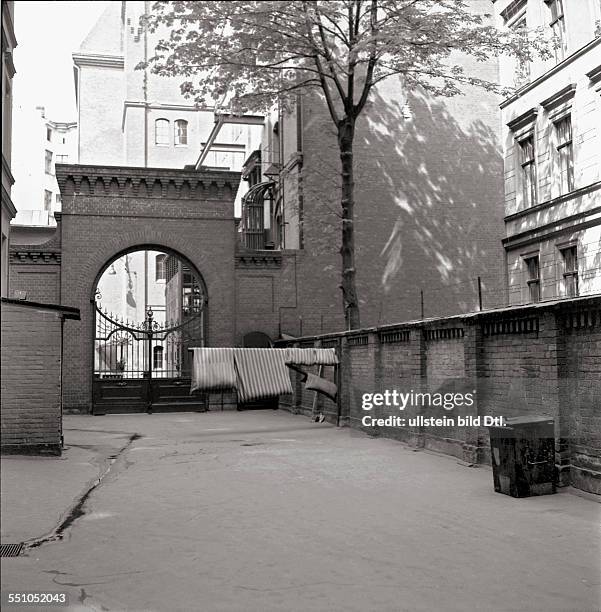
(268, 511)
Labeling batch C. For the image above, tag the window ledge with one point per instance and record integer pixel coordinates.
(556, 200)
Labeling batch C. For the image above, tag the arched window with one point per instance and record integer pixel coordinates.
(161, 131)
(181, 132)
(157, 358)
(159, 267)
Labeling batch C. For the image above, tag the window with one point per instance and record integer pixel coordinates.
(48, 162)
(47, 200)
(62, 159)
(181, 132)
(528, 163)
(48, 134)
(159, 267)
(58, 198)
(522, 73)
(565, 161)
(533, 278)
(570, 270)
(157, 357)
(161, 132)
(558, 28)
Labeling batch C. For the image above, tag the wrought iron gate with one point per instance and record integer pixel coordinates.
(145, 367)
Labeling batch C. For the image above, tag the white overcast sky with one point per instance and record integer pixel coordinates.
(47, 33)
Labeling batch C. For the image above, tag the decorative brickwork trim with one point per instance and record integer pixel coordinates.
(583, 319)
(450, 333)
(259, 261)
(511, 326)
(109, 181)
(395, 335)
(35, 257)
(358, 340)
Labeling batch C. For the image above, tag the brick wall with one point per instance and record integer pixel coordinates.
(31, 409)
(41, 282)
(579, 376)
(108, 211)
(428, 208)
(542, 360)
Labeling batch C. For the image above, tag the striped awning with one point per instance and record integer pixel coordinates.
(261, 373)
(213, 369)
(256, 373)
(311, 356)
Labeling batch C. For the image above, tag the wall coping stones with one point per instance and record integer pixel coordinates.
(69, 312)
(125, 181)
(582, 303)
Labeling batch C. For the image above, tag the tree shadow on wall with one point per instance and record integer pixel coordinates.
(429, 206)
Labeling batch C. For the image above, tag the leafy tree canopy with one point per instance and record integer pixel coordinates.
(254, 53)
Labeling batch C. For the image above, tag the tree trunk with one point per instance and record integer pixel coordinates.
(346, 136)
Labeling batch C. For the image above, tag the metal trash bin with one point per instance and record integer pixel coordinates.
(523, 456)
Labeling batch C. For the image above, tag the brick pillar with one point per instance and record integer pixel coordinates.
(565, 405)
(345, 382)
(362, 379)
(472, 351)
(418, 378)
(550, 332)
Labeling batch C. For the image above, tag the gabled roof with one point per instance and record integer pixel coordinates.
(106, 37)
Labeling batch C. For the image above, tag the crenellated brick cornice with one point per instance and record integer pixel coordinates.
(33, 255)
(169, 183)
(260, 259)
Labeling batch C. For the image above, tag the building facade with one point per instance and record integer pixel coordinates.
(37, 195)
(552, 153)
(9, 42)
(133, 117)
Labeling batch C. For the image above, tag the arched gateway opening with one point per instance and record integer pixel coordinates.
(111, 211)
(150, 307)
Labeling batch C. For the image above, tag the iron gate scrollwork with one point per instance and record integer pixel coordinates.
(146, 365)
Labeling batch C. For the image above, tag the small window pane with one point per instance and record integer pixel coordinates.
(533, 279)
(157, 357)
(181, 132)
(47, 200)
(160, 272)
(161, 129)
(48, 162)
(522, 66)
(527, 161)
(565, 156)
(564, 130)
(570, 274)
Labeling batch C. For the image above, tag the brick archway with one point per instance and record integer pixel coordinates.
(112, 210)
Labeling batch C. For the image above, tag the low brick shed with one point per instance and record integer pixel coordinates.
(542, 359)
(31, 389)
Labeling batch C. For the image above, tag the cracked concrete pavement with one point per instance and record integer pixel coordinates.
(262, 511)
